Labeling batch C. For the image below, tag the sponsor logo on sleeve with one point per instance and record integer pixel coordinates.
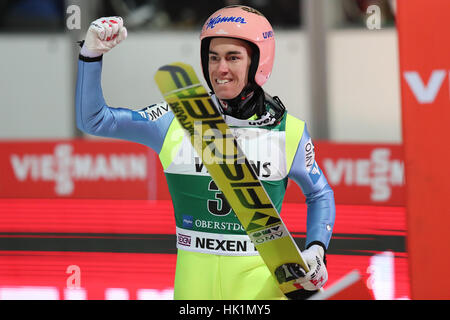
(315, 173)
(309, 155)
(151, 113)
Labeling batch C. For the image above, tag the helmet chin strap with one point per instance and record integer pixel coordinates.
(246, 104)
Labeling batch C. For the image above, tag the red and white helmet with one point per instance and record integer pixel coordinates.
(245, 23)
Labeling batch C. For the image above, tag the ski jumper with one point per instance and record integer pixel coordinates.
(215, 259)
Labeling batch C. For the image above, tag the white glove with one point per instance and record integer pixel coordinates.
(103, 35)
(318, 274)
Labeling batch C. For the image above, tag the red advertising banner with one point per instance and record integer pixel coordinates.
(76, 169)
(361, 174)
(424, 74)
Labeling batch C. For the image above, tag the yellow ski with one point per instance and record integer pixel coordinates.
(232, 172)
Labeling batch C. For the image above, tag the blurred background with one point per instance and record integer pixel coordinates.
(336, 67)
(329, 66)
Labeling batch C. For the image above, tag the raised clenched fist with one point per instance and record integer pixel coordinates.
(103, 35)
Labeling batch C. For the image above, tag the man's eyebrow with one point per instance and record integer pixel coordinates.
(229, 52)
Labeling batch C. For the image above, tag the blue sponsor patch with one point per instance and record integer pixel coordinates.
(188, 222)
(315, 173)
(219, 19)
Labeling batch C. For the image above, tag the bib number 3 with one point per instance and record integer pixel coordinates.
(220, 206)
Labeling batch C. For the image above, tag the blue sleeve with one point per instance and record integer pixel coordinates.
(319, 195)
(147, 126)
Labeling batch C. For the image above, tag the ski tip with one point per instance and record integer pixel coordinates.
(175, 76)
(177, 64)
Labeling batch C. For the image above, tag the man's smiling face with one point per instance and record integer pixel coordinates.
(228, 65)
